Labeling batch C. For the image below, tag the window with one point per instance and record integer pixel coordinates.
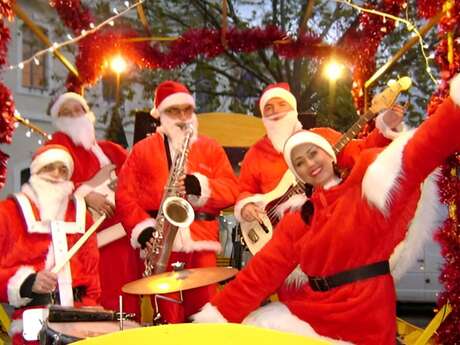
(25, 175)
(34, 74)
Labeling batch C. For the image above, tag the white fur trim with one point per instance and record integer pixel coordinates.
(83, 190)
(278, 317)
(173, 99)
(280, 93)
(256, 199)
(199, 201)
(100, 155)
(64, 98)
(455, 89)
(137, 230)
(303, 137)
(50, 156)
(16, 327)
(208, 314)
(80, 213)
(184, 243)
(14, 285)
(294, 203)
(386, 131)
(296, 279)
(429, 216)
(382, 175)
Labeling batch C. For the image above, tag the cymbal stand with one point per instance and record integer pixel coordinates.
(120, 305)
(157, 317)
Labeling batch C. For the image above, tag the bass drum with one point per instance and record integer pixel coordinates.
(57, 333)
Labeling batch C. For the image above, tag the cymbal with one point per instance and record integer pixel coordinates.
(179, 281)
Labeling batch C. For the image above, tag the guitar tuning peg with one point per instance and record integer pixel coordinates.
(405, 82)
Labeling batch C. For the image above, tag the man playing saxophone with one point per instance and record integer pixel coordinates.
(208, 184)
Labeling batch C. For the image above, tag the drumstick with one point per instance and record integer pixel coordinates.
(79, 244)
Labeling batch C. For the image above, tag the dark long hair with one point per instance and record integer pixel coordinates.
(308, 209)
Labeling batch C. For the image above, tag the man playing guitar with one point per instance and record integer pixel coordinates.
(94, 159)
(263, 166)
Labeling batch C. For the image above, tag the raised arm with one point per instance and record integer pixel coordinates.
(406, 162)
(264, 274)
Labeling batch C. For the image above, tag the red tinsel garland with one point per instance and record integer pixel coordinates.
(6, 99)
(73, 14)
(362, 41)
(449, 184)
(97, 48)
(6, 9)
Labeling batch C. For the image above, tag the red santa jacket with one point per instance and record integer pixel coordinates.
(86, 166)
(27, 248)
(144, 176)
(356, 223)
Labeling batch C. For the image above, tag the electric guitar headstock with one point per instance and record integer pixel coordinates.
(381, 101)
(387, 97)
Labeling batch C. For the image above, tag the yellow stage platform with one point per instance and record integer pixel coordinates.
(200, 334)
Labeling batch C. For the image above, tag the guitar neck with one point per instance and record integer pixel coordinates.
(353, 131)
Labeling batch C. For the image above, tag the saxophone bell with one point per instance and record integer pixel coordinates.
(178, 211)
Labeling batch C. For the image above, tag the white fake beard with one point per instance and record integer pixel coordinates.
(79, 129)
(52, 197)
(175, 134)
(278, 131)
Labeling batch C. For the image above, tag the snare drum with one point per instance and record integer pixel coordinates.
(57, 333)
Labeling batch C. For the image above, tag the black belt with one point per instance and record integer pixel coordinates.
(198, 215)
(53, 297)
(350, 276)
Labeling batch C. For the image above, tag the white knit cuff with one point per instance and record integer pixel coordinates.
(137, 230)
(14, 286)
(199, 201)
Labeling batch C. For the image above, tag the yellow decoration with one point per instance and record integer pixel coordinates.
(146, 310)
(230, 129)
(447, 7)
(453, 205)
(5, 321)
(412, 335)
(199, 334)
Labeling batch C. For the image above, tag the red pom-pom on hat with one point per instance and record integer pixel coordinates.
(280, 90)
(170, 93)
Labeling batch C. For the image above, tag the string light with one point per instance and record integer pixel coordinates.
(31, 127)
(410, 27)
(83, 34)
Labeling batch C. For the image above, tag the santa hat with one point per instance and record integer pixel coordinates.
(66, 97)
(322, 137)
(281, 90)
(170, 93)
(49, 154)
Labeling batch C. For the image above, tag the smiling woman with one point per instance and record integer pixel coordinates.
(345, 246)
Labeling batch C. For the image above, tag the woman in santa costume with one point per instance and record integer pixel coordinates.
(38, 226)
(75, 123)
(354, 226)
(209, 184)
(263, 166)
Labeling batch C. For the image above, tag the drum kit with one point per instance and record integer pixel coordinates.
(65, 325)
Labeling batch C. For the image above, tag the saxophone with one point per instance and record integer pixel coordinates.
(174, 211)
